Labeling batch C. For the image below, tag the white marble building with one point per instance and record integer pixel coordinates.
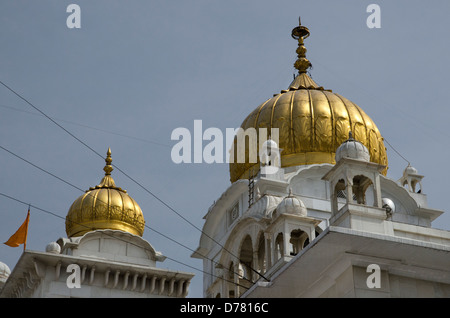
(103, 256)
(328, 223)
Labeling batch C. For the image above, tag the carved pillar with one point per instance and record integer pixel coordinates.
(268, 248)
(349, 190)
(377, 192)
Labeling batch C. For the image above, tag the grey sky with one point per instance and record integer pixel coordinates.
(136, 70)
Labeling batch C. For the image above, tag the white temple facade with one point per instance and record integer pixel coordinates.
(328, 222)
(322, 231)
(100, 264)
(104, 255)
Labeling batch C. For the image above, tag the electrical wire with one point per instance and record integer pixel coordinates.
(135, 181)
(78, 188)
(90, 127)
(362, 90)
(132, 179)
(118, 238)
(398, 153)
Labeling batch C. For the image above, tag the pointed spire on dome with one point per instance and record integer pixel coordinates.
(108, 181)
(299, 33)
(302, 64)
(108, 168)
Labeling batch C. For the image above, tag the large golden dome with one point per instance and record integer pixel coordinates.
(312, 122)
(105, 206)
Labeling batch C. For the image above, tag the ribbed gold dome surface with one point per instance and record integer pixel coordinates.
(105, 206)
(312, 123)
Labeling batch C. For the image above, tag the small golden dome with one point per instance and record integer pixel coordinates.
(312, 122)
(105, 206)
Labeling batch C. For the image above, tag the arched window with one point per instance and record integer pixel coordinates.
(246, 257)
(307, 241)
(360, 185)
(339, 189)
(297, 240)
(279, 246)
(340, 192)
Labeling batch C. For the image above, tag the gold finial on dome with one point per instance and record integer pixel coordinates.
(108, 181)
(108, 168)
(299, 33)
(302, 64)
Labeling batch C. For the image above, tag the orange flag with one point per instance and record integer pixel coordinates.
(20, 237)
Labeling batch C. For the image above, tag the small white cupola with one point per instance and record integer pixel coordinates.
(353, 149)
(292, 205)
(270, 159)
(411, 179)
(353, 175)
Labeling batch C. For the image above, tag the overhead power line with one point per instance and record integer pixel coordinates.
(132, 179)
(398, 153)
(98, 199)
(90, 127)
(115, 237)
